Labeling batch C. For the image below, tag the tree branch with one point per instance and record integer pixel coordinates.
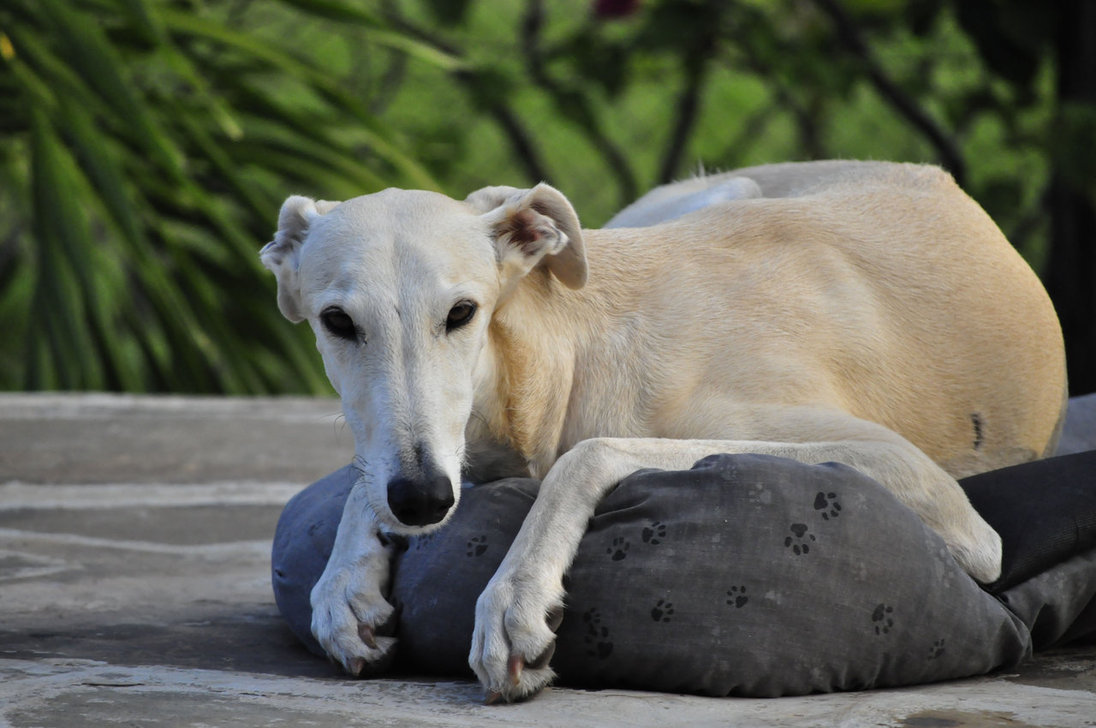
(574, 104)
(389, 85)
(805, 122)
(521, 141)
(695, 63)
(746, 138)
(946, 149)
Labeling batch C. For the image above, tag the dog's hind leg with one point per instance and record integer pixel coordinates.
(511, 634)
(348, 604)
(670, 202)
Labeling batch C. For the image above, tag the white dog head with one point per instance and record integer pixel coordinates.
(399, 288)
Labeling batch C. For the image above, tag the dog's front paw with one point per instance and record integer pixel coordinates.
(514, 638)
(349, 619)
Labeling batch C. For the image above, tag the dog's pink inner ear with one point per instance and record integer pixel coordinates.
(526, 230)
(539, 225)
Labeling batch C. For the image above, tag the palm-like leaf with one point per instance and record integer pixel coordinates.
(146, 149)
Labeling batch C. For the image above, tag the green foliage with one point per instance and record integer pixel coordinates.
(147, 144)
(147, 147)
(597, 106)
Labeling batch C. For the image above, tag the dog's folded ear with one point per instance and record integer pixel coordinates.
(487, 199)
(281, 256)
(534, 226)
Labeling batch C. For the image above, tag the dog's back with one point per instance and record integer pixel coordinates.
(879, 289)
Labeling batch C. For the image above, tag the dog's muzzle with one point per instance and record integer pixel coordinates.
(421, 501)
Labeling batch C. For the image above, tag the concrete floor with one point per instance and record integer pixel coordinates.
(134, 591)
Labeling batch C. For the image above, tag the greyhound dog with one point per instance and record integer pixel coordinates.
(865, 313)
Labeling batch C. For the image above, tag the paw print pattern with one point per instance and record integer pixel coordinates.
(736, 597)
(654, 533)
(424, 540)
(827, 503)
(882, 618)
(800, 540)
(597, 635)
(477, 545)
(937, 649)
(619, 548)
(663, 611)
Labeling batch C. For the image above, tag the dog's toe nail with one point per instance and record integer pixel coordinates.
(365, 632)
(514, 667)
(355, 666)
(492, 698)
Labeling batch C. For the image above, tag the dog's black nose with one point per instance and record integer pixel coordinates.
(420, 502)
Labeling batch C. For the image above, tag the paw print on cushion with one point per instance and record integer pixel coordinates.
(619, 548)
(736, 597)
(663, 611)
(597, 635)
(881, 618)
(654, 533)
(424, 540)
(477, 546)
(800, 540)
(937, 649)
(827, 503)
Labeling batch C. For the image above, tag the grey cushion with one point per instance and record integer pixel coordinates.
(302, 544)
(747, 575)
(1045, 512)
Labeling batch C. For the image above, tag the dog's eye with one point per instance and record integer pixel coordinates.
(338, 323)
(459, 315)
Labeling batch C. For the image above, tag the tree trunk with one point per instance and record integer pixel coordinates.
(1070, 275)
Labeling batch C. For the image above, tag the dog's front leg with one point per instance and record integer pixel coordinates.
(513, 638)
(512, 641)
(348, 604)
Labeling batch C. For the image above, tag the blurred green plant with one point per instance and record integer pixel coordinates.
(606, 98)
(147, 146)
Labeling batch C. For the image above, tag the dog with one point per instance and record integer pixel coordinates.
(864, 313)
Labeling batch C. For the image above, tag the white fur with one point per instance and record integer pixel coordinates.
(663, 204)
(864, 313)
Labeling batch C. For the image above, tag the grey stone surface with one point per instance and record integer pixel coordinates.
(48, 438)
(134, 591)
(1079, 430)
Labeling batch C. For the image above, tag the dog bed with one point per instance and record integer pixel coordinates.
(747, 575)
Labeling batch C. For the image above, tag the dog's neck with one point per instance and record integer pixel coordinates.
(527, 369)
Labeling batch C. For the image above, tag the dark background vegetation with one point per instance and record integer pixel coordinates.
(145, 145)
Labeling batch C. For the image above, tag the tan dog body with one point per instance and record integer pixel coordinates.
(870, 314)
(881, 291)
